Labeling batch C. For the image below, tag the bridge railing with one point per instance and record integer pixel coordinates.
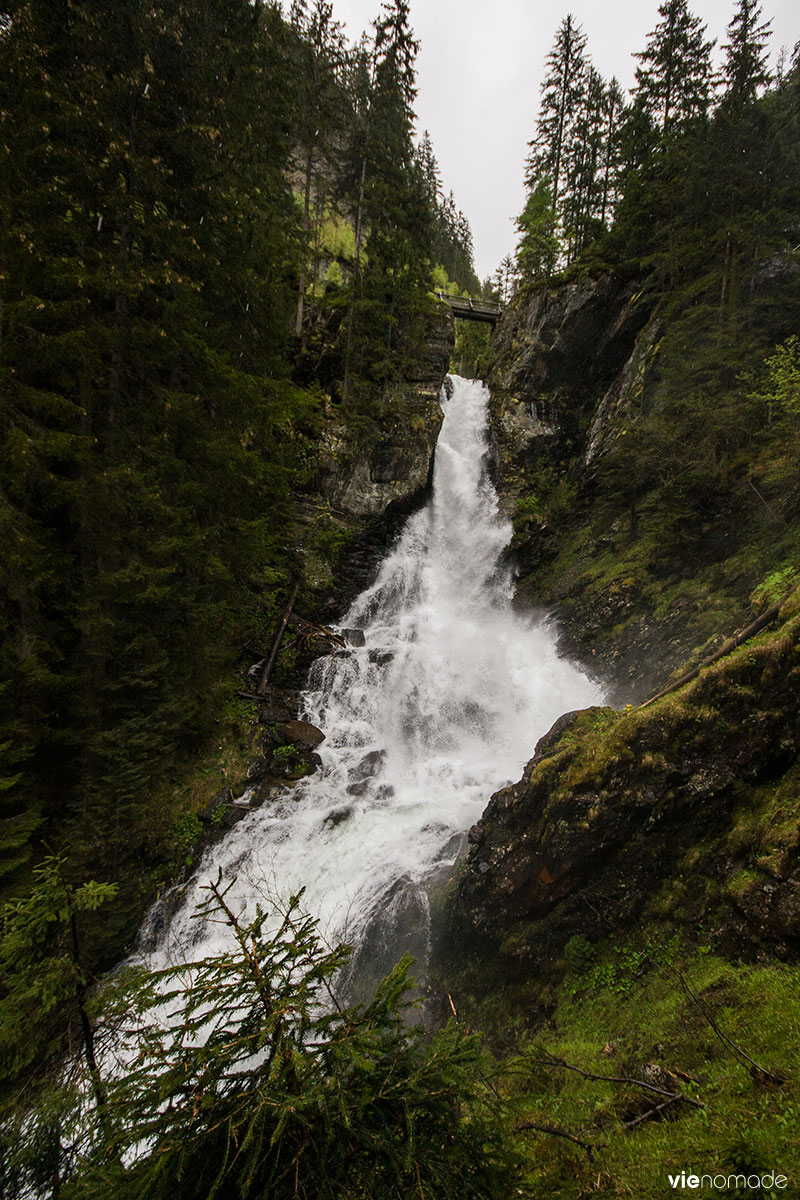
(468, 309)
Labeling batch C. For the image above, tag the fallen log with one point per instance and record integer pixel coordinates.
(276, 645)
(750, 631)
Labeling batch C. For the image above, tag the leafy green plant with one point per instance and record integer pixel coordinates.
(187, 832)
(287, 753)
(579, 953)
(774, 586)
(778, 390)
(618, 973)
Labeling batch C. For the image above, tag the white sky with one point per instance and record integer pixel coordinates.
(479, 70)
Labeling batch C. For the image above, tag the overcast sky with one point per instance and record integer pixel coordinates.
(479, 71)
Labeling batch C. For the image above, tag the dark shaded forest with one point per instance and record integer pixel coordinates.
(213, 217)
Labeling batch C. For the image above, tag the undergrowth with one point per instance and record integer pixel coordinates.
(640, 1013)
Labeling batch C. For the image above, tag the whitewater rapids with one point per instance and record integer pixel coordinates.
(439, 708)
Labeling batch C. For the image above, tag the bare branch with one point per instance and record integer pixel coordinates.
(756, 1068)
(554, 1131)
(651, 1112)
(552, 1061)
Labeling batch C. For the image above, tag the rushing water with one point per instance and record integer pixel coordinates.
(441, 706)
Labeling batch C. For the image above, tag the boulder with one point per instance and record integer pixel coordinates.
(620, 815)
(300, 733)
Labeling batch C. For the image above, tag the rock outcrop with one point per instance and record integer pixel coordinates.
(365, 485)
(554, 356)
(681, 812)
(569, 365)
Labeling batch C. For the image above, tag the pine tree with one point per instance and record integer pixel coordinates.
(745, 70)
(538, 246)
(144, 306)
(250, 1079)
(44, 999)
(582, 200)
(674, 81)
(504, 280)
(390, 208)
(562, 92)
(429, 169)
(319, 118)
(611, 161)
(451, 244)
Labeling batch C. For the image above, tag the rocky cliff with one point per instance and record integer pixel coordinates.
(679, 813)
(367, 482)
(638, 586)
(675, 817)
(555, 356)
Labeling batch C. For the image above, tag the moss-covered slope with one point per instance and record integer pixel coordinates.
(682, 813)
(631, 909)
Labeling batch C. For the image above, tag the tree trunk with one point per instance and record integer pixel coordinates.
(301, 287)
(356, 276)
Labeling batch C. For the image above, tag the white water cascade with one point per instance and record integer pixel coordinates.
(441, 706)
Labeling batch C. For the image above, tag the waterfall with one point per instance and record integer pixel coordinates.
(441, 706)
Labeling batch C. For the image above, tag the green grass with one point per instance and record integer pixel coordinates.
(630, 1016)
(642, 1002)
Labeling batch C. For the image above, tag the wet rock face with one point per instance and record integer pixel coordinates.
(620, 818)
(393, 467)
(394, 470)
(556, 357)
(569, 363)
(433, 363)
(556, 349)
(624, 391)
(400, 918)
(366, 486)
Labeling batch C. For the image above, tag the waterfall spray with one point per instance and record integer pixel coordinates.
(441, 706)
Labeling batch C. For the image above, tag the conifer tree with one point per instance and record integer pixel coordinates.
(319, 118)
(582, 199)
(611, 162)
(745, 71)
(390, 208)
(561, 95)
(451, 244)
(562, 92)
(429, 168)
(538, 247)
(44, 1002)
(674, 81)
(250, 1078)
(144, 305)
(574, 163)
(504, 280)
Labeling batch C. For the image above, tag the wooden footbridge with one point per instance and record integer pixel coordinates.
(466, 309)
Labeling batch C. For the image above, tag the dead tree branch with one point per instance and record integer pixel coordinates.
(276, 645)
(554, 1131)
(652, 1112)
(756, 1068)
(749, 631)
(552, 1061)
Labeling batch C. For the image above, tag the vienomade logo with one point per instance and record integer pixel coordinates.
(755, 1182)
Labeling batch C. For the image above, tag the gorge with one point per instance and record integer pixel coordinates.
(446, 730)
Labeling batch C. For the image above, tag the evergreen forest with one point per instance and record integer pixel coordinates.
(213, 218)
(224, 251)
